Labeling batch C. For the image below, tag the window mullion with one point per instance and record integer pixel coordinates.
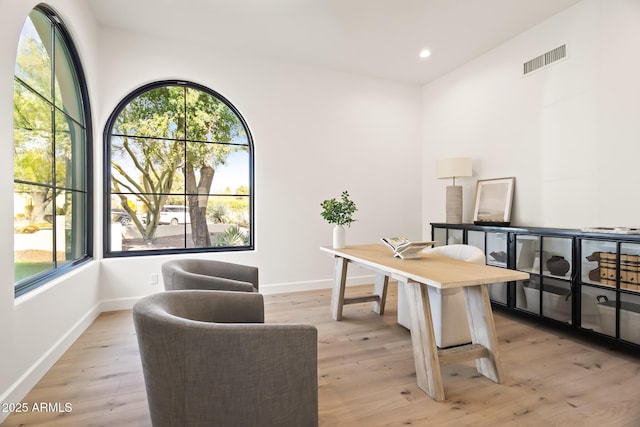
(54, 183)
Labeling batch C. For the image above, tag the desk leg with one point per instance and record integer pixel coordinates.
(483, 330)
(339, 282)
(380, 288)
(423, 341)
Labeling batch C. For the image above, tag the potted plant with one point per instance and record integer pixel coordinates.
(339, 213)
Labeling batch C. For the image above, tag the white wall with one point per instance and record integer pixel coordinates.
(38, 327)
(317, 132)
(570, 133)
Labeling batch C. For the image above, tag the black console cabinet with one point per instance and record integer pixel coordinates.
(587, 282)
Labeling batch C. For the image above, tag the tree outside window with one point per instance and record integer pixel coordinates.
(180, 162)
(51, 148)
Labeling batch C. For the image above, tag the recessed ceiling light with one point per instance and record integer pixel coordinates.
(425, 53)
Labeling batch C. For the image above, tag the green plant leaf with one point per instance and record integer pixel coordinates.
(339, 212)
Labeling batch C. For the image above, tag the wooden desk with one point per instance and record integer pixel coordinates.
(417, 274)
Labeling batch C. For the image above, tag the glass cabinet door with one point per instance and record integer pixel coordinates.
(528, 294)
(496, 253)
(476, 238)
(528, 253)
(621, 321)
(629, 309)
(497, 249)
(598, 260)
(556, 299)
(629, 267)
(440, 236)
(528, 260)
(629, 317)
(447, 236)
(556, 268)
(556, 257)
(548, 292)
(545, 296)
(610, 293)
(455, 237)
(598, 310)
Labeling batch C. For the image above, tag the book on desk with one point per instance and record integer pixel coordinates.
(404, 248)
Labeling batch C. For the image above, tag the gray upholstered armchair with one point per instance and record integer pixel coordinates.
(209, 274)
(209, 360)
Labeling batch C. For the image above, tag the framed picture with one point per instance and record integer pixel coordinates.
(493, 201)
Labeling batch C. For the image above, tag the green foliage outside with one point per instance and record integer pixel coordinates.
(36, 128)
(50, 149)
(233, 236)
(168, 141)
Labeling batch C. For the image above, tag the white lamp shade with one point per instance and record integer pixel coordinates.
(453, 167)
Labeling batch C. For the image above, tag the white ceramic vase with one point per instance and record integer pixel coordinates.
(338, 237)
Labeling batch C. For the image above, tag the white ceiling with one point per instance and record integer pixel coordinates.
(379, 38)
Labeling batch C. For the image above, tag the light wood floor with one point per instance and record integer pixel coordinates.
(366, 375)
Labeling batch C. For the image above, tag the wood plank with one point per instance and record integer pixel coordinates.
(360, 299)
(463, 353)
(434, 270)
(339, 284)
(380, 287)
(423, 341)
(367, 374)
(482, 329)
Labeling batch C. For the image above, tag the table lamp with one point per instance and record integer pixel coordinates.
(452, 168)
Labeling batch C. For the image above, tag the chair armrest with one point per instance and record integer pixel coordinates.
(239, 272)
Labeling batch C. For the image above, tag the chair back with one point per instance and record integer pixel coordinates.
(462, 252)
(209, 359)
(195, 273)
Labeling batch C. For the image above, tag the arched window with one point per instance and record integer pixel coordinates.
(52, 148)
(179, 163)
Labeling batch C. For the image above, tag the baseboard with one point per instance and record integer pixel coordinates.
(23, 385)
(281, 288)
(118, 304)
(266, 289)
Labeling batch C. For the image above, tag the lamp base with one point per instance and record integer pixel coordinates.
(454, 204)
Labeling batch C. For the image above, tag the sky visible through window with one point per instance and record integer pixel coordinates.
(234, 174)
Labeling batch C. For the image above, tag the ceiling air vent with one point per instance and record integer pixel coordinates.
(545, 59)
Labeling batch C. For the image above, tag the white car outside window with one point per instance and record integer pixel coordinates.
(175, 215)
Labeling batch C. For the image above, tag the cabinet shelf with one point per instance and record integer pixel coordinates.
(586, 281)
